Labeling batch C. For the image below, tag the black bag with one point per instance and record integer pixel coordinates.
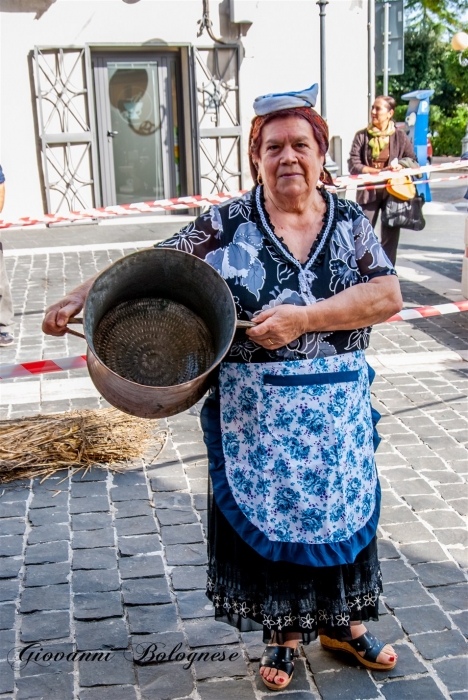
(404, 213)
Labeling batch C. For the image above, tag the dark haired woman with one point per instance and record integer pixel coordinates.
(294, 496)
(375, 148)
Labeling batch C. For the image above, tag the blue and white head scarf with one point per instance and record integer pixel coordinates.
(285, 100)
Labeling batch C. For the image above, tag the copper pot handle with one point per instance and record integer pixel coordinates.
(78, 321)
(245, 324)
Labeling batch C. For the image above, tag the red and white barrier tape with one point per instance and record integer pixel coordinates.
(198, 201)
(28, 369)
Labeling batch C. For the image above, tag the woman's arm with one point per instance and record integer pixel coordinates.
(357, 307)
(58, 314)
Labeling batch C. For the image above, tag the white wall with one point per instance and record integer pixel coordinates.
(281, 53)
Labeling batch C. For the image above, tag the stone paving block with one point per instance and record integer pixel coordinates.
(48, 516)
(147, 591)
(435, 645)
(418, 689)
(409, 532)
(445, 477)
(53, 686)
(168, 483)
(49, 498)
(181, 534)
(453, 673)
(176, 516)
(460, 505)
(9, 589)
(49, 533)
(58, 663)
(185, 578)
(141, 566)
(40, 626)
(135, 477)
(396, 570)
(147, 647)
(99, 580)
(148, 619)
(46, 574)
(426, 502)
(132, 509)
(439, 574)
(136, 526)
(116, 670)
(208, 632)
(190, 554)
(222, 663)
(7, 642)
(452, 598)
(89, 539)
(405, 594)
(129, 493)
(10, 567)
(96, 504)
(12, 526)
(347, 684)
(115, 692)
(422, 552)
(171, 500)
(100, 558)
(400, 514)
(165, 681)
(12, 510)
(7, 616)
(91, 521)
(427, 618)
(254, 644)
(200, 501)
(91, 474)
(7, 678)
(103, 634)
(88, 489)
(194, 604)
(45, 598)
(199, 486)
(47, 553)
(413, 486)
(461, 620)
(234, 690)
(387, 550)
(11, 546)
(143, 544)
(452, 536)
(96, 605)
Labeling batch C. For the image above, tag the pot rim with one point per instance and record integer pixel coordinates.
(201, 377)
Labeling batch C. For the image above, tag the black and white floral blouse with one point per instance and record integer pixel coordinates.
(238, 239)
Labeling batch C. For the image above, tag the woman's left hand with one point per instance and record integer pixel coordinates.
(278, 326)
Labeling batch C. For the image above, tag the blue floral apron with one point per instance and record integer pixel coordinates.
(298, 480)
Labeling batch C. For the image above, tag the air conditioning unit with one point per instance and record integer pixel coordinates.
(243, 11)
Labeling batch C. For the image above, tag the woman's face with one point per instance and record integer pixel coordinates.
(289, 159)
(380, 113)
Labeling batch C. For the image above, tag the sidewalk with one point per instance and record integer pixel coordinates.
(118, 562)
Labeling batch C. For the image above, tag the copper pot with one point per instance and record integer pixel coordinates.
(158, 274)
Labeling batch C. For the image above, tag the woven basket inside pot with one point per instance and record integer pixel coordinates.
(154, 342)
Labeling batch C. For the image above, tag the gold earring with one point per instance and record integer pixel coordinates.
(259, 179)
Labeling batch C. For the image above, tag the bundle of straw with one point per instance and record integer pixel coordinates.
(42, 445)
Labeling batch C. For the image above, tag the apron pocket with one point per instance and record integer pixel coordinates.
(310, 379)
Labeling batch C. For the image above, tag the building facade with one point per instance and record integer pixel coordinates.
(105, 102)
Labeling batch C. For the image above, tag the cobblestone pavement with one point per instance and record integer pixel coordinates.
(117, 562)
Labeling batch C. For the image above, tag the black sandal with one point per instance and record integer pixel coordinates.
(280, 658)
(370, 645)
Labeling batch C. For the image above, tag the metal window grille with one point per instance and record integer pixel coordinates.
(220, 135)
(66, 138)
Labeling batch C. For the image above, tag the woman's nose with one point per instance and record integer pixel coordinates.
(288, 154)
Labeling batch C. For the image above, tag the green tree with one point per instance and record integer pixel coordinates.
(424, 14)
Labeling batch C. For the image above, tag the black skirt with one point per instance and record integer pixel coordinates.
(250, 592)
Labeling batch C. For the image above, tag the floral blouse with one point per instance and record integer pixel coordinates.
(238, 239)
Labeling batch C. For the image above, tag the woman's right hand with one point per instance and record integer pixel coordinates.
(58, 314)
(369, 170)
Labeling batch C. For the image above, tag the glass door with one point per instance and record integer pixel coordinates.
(137, 126)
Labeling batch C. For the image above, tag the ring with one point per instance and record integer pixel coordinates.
(270, 341)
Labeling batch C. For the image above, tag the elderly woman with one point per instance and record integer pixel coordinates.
(380, 146)
(294, 495)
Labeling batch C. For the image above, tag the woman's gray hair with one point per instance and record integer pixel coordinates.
(389, 101)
